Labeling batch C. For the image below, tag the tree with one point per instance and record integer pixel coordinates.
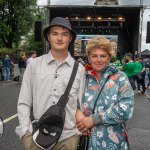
(16, 20)
(29, 44)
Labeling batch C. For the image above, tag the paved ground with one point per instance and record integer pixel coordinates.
(9, 92)
(139, 125)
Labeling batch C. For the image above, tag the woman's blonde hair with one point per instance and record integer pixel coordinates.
(101, 43)
(23, 55)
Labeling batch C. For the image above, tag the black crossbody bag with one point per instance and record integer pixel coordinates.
(84, 139)
(48, 129)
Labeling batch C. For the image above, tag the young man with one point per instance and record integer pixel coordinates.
(129, 68)
(45, 80)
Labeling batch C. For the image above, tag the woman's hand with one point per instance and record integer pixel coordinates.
(85, 123)
(88, 122)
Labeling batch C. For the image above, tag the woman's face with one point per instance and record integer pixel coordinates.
(98, 59)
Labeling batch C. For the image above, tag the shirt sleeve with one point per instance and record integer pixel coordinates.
(122, 109)
(25, 101)
(124, 67)
(81, 89)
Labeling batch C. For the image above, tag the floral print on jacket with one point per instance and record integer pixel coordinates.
(115, 105)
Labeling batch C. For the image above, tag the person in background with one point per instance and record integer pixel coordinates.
(143, 74)
(22, 65)
(138, 73)
(115, 105)
(6, 67)
(123, 61)
(148, 78)
(31, 58)
(1, 68)
(45, 80)
(128, 68)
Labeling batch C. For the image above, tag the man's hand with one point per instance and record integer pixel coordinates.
(79, 115)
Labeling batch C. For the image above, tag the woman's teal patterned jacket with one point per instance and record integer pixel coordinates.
(114, 106)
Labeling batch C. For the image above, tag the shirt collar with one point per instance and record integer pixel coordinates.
(131, 61)
(69, 60)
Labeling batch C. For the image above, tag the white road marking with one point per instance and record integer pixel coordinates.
(10, 83)
(10, 118)
(1, 123)
(147, 95)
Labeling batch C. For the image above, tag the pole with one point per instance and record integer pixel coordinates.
(141, 28)
(141, 2)
(47, 16)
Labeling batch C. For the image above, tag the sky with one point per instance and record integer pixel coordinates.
(146, 14)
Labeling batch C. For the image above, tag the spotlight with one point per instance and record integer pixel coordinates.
(76, 18)
(88, 18)
(99, 18)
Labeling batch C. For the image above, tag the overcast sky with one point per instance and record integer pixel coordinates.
(146, 16)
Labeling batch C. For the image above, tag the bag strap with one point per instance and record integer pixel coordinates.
(99, 95)
(64, 98)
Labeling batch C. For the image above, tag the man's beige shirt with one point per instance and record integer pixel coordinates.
(44, 81)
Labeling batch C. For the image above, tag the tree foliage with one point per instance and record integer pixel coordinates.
(29, 44)
(16, 20)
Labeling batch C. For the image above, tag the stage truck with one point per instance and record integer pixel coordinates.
(121, 24)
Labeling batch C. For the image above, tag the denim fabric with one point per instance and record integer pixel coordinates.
(6, 73)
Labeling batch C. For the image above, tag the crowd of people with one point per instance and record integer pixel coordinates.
(7, 64)
(135, 70)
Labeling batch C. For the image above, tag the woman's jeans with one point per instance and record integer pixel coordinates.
(22, 70)
(6, 73)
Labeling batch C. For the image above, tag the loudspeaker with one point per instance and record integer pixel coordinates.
(148, 32)
(38, 31)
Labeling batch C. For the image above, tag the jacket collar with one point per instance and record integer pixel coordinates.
(107, 71)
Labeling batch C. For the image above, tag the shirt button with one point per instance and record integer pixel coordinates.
(54, 89)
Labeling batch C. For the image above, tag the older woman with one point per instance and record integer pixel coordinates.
(114, 105)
